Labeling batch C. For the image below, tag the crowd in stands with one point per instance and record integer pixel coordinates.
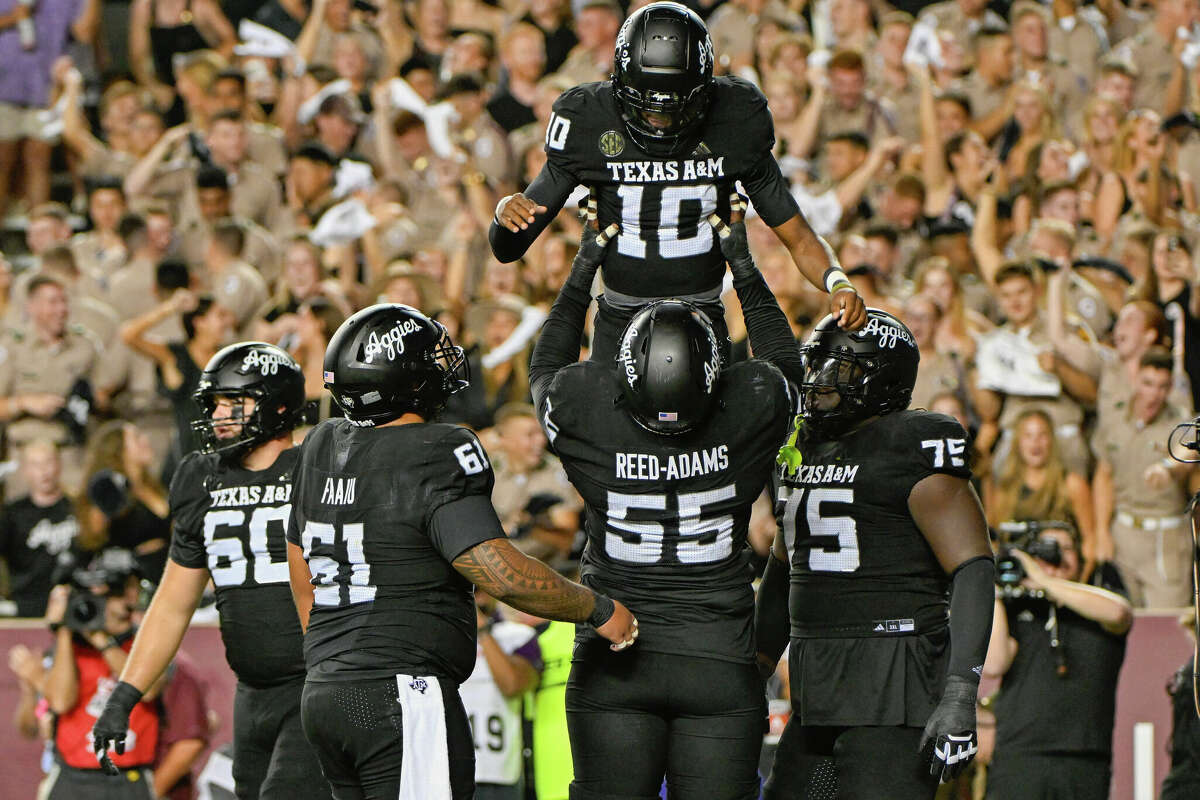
(1018, 183)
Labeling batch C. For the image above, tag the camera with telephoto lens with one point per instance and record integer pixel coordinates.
(1026, 537)
(109, 570)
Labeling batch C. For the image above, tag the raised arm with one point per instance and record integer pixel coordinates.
(771, 337)
(558, 345)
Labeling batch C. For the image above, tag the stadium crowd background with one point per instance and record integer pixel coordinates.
(1015, 182)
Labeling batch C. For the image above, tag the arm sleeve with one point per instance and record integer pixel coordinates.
(771, 616)
(769, 192)
(771, 337)
(558, 344)
(459, 525)
(972, 598)
(550, 188)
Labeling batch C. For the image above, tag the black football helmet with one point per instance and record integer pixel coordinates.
(663, 66)
(668, 365)
(262, 371)
(852, 375)
(390, 359)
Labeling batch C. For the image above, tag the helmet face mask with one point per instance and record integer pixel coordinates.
(390, 359)
(852, 376)
(668, 367)
(257, 371)
(662, 76)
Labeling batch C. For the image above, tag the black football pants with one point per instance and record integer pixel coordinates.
(366, 741)
(636, 716)
(271, 758)
(844, 763)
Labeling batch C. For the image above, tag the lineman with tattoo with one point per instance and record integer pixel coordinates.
(392, 523)
(230, 504)
(878, 522)
(669, 450)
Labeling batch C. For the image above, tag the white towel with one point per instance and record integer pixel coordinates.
(425, 770)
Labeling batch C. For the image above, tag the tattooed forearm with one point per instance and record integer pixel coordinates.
(525, 583)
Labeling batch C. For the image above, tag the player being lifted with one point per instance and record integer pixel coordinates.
(669, 450)
(392, 522)
(230, 505)
(877, 520)
(662, 144)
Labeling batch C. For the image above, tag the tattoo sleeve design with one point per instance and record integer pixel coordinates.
(524, 583)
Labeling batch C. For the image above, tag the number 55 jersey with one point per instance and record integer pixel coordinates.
(667, 516)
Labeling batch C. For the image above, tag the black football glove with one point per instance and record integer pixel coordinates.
(109, 730)
(951, 729)
(731, 237)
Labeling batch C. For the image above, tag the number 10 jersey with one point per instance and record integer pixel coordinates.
(667, 516)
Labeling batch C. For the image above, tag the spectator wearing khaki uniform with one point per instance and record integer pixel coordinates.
(1141, 495)
(232, 282)
(1078, 37)
(525, 472)
(214, 203)
(40, 366)
(888, 75)
(1151, 50)
(962, 19)
(937, 373)
(1048, 376)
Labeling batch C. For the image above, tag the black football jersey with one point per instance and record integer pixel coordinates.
(667, 516)
(666, 247)
(860, 566)
(386, 599)
(232, 521)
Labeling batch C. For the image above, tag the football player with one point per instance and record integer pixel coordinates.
(877, 521)
(669, 451)
(662, 143)
(391, 525)
(230, 503)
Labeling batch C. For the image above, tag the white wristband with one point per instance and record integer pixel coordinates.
(834, 277)
(500, 205)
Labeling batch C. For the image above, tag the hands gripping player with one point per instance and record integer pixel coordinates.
(662, 144)
(669, 450)
(877, 521)
(229, 506)
(392, 523)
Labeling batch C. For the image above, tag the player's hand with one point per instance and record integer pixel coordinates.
(951, 730)
(731, 236)
(112, 725)
(848, 309)
(621, 628)
(516, 212)
(593, 243)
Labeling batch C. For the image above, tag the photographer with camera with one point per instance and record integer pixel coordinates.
(1057, 647)
(90, 615)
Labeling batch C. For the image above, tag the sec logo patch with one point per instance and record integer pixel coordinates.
(612, 143)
